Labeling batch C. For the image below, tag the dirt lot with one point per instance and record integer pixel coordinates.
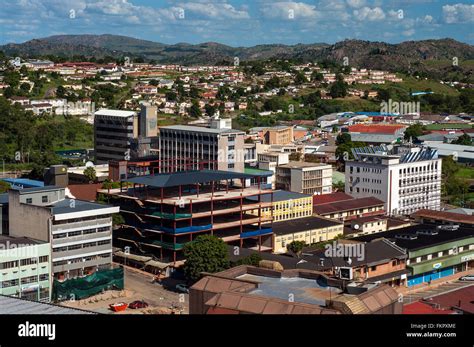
(138, 286)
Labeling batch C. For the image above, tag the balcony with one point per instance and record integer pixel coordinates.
(81, 252)
(79, 238)
(80, 265)
(87, 224)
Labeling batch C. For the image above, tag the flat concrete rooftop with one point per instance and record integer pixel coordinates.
(298, 289)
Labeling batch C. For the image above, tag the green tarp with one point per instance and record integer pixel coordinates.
(84, 287)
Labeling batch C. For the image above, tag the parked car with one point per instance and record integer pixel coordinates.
(138, 304)
(182, 288)
(467, 278)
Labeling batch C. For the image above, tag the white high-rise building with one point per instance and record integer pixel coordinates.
(406, 181)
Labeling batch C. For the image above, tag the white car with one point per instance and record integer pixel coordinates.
(467, 278)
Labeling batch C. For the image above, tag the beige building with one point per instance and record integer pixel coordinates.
(286, 205)
(310, 230)
(306, 178)
(279, 135)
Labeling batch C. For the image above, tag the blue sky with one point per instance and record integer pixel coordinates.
(239, 22)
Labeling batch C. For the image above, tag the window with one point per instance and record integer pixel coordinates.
(8, 265)
(373, 268)
(43, 277)
(28, 261)
(44, 199)
(30, 279)
(29, 200)
(43, 259)
(10, 283)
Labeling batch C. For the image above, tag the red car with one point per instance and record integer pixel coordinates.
(138, 304)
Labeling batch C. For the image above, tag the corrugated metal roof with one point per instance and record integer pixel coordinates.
(10, 305)
(187, 177)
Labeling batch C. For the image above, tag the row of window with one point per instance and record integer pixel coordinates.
(23, 262)
(366, 190)
(24, 280)
(419, 169)
(81, 245)
(440, 254)
(80, 232)
(81, 259)
(371, 180)
(365, 169)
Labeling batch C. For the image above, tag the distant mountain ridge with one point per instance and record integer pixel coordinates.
(375, 55)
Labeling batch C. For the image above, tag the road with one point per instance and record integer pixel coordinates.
(138, 286)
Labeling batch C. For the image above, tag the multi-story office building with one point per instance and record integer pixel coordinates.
(278, 135)
(80, 232)
(270, 161)
(25, 268)
(208, 148)
(164, 211)
(306, 178)
(114, 132)
(405, 182)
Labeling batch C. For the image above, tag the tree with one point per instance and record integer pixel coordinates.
(295, 156)
(90, 174)
(61, 92)
(316, 76)
(300, 78)
(171, 96)
(254, 259)
(464, 140)
(194, 110)
(338, 186)
(4, 187)
(210, 109)
(338, 89)
(343, 138)
(413, 131)
(296, 247)
(117, 220)
(207, 253)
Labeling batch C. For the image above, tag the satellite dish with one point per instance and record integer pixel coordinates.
(89, 164)
(356, 226)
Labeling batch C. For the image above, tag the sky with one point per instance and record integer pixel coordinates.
(239, 22)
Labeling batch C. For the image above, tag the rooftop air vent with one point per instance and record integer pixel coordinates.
(406, 236)
(429, 232)
(448, 227)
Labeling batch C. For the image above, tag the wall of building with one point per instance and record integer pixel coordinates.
(28, 220)
(380, 269)
(29, 279)
(402, 192)
(308, 236)
(356, 213)
(112, 136)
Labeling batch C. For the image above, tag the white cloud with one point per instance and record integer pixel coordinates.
(409, 32)
(427, 19)
(215, 10)
(356, 3)
(458, 13)
(369, 14)
(289, 10)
